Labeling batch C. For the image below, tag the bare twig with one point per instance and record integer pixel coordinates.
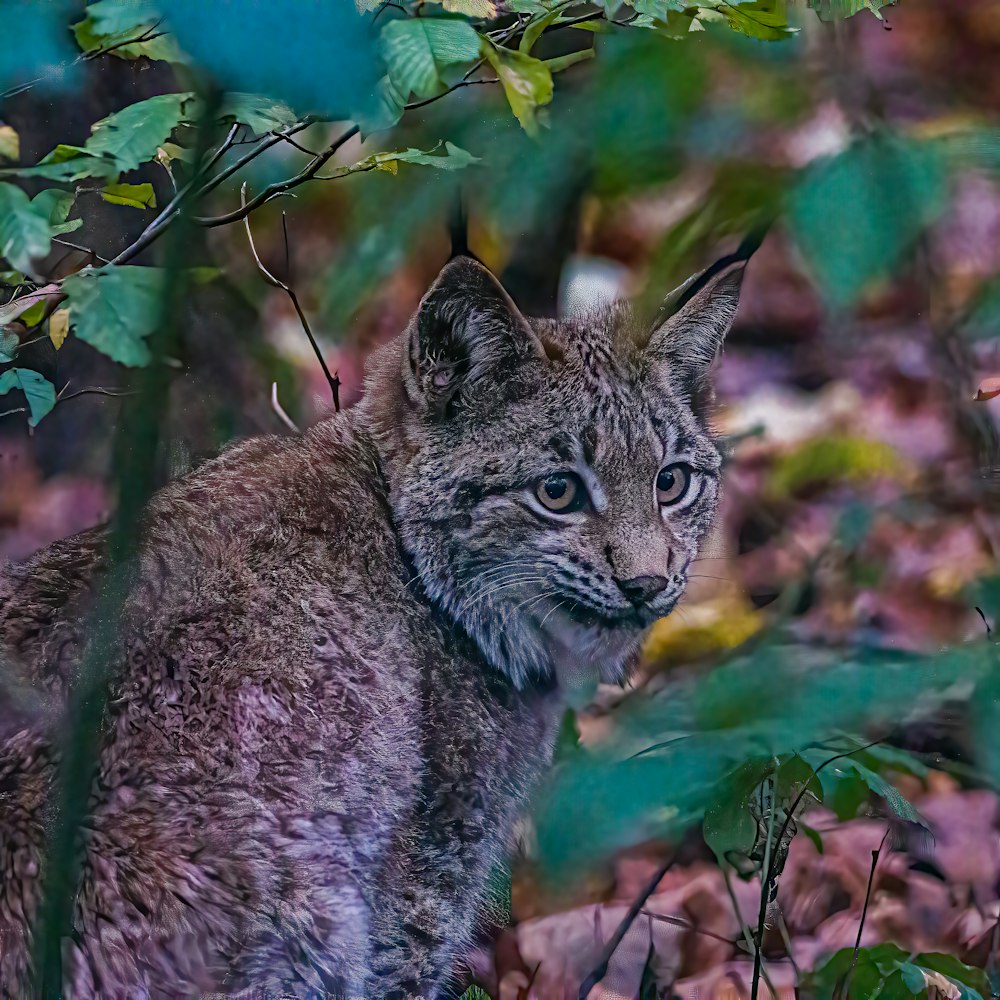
(332, 380)
(765, 888)
(842, 988)
(147, 36)
(82, 249)
(95, 390)
(280, 410)
(744, 930)
(601, 969)
(281, 187)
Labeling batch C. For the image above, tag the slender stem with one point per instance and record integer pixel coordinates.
(281, 187)
(332, 380)
(600, 971)
(841, 990)
(765, 887)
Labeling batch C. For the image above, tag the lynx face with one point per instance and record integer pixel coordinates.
(551, 480)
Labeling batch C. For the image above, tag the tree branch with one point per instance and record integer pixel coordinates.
(332, 380)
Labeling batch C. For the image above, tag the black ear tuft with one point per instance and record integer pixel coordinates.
(466, 335)
(693, 322)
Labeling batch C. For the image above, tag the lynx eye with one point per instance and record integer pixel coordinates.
(561, 492)
(672, 483)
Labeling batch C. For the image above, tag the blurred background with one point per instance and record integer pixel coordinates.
(851, 593)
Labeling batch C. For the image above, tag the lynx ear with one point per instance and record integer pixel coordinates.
(692, 324)
(467, 334)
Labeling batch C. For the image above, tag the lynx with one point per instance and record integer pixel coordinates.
(346, 655)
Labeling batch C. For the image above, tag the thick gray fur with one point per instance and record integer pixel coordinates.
(346, 655)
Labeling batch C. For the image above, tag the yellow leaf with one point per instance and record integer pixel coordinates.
(59, 327)
(10, 144)
(707, 627)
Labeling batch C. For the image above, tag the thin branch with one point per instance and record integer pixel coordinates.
(281, 187)
(91, 390)
(864, 914)
(744, 930)
(765, 889)
(280, 410)
(332, 380)
(601, 970)
(76, 246)
(461, 83)
(83, 57)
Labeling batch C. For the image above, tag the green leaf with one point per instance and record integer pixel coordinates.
(454, 158)
(120, 142)
(534, 29)
(9, 344)
(262, 114)
(132, 195)
(729, 828)
(526, 81)
(835, 10)
(891, 795)
(417, 51)
(10, 143)
(24, 233)
(855, 215)
(131, 136)
(38, 391)
(764, 19)
(318, 57)
(115, 309)
(54, 205)
(110, 23)
(67, 163)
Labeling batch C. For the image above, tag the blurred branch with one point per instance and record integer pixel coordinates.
(332, 380)
(842, 988)
(147, 36)
(136, 447)
(601, 969)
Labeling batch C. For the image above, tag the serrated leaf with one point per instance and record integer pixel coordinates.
(120, 142)
(9, 344)
(59, 327)
(418, 50)
(483, 9)
(764, 19)
(453, 158)
(526, 81)
(132, 195)
(835, 10)
(24, 234)
(133, 135)
(10, 143)
(260, 113)
(115, 309)
(38, 391)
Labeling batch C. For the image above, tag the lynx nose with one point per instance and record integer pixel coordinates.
(641, 589)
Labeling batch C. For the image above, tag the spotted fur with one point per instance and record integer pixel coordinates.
(345, 656)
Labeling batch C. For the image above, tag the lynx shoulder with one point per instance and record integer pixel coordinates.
(344, 656)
